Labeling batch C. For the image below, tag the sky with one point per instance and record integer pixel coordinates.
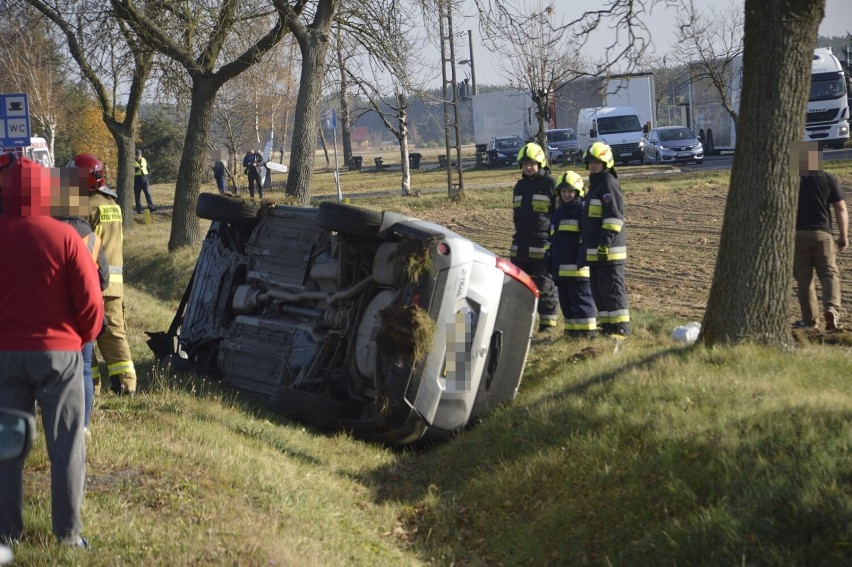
(661, 21)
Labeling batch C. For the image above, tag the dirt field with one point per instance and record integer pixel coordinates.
(673, 237)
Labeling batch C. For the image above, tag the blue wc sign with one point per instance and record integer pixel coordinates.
(14, 120)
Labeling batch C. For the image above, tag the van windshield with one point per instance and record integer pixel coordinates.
(618, 124)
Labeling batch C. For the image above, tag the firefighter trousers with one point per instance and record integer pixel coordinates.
(610, 294)
(548, 303)
(115, 351)
(578, 307)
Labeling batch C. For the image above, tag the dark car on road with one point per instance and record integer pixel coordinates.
(503, 150)
(388, 326)
(563, 146)
(671, 144)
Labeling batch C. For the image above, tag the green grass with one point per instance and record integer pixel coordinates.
(654, 454)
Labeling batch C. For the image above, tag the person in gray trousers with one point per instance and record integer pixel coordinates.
(50, 304)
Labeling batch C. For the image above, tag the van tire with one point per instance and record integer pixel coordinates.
(222, 208)
(346, 219)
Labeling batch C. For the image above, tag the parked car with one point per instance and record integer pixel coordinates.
(503, 150)
(388, 326)
(563, 146)
(671, 144)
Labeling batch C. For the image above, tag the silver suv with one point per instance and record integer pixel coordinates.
(391, 327)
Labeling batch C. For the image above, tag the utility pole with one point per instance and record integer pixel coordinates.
(452, 139)
(472, 66)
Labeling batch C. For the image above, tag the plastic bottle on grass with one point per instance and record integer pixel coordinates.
(687, 334)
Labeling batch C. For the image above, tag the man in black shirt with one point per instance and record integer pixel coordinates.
(815, 247)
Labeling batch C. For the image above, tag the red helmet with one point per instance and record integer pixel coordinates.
(95, 168)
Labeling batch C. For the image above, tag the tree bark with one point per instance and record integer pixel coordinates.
(345, 120)
(313, 44)
(750, 294)
(186, 229)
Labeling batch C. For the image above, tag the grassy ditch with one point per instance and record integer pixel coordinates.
(646, 454)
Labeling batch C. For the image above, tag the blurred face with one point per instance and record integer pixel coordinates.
(595, 166)
(567, 194)
(529, 167)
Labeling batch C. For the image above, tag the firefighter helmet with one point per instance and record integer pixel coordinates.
(599, 152)
(573, 181)
(532, 152)
(93, 166)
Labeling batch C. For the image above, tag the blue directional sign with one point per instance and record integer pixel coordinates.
(14, 120)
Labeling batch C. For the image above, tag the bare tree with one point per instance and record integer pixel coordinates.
(537, 54)
(194, 34)
(750, 295)
(32, 63)
(112, 62)
(710, 44)
(313, 41)
(392, 71)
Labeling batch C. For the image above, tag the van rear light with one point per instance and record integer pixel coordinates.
(515, 272)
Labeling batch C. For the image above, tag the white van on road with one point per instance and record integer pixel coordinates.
(617, 126)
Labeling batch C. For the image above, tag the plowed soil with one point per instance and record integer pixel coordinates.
(661, 224)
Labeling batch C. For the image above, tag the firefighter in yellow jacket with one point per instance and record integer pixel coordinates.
(106, 220)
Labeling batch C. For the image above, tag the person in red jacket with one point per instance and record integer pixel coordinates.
(50, 304)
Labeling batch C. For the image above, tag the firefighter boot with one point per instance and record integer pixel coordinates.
(96, 379)
(123, 384)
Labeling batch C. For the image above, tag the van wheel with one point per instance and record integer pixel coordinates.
(222, 208)
(346, 219)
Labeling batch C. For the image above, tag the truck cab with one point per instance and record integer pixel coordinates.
(828, 105)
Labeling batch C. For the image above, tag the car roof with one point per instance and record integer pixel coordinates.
(670, 127)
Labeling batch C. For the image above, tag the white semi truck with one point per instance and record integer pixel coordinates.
(828, 106)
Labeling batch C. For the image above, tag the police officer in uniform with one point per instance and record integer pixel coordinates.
(106, 220)
(533, 203)
(605, 241)
(141, 183)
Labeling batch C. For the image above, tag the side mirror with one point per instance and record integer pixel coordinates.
(17, 431)
(592, 133)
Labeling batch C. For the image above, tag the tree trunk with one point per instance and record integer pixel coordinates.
(345, 121)
(124, 135)
(306, 124)
(402, 116)
(750, 295)
(186, 229)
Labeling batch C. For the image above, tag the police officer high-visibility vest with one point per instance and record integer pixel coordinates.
(140, 166)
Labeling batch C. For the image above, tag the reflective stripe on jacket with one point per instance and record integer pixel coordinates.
(106, 220)
(533, 201)
(603, 221)
(565, 243)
